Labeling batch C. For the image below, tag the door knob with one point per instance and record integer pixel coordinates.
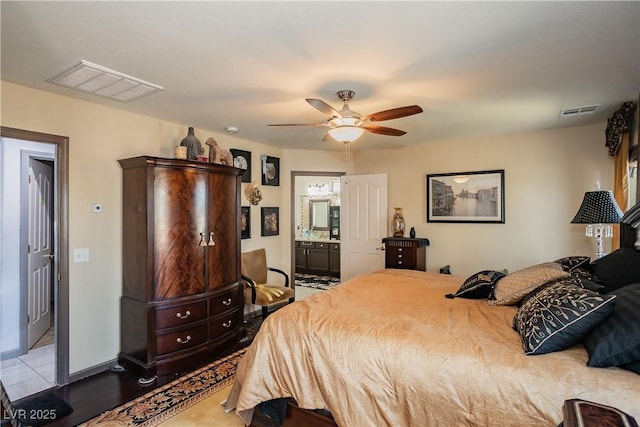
(50, 256)
(381, 248)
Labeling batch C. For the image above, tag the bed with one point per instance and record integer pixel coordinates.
(388, 349)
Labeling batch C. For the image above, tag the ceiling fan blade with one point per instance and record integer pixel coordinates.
(394, 113)
(383, 130)
(299, 124)
(323, 107)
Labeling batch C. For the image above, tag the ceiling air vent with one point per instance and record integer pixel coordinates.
(576, 111)
(99, 80)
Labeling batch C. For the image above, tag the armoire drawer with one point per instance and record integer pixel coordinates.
(182, 314)
(224, 324)
(181, 339)
(224, 302)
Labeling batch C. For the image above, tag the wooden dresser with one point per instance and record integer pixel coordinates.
(405, 252)
(182, 301)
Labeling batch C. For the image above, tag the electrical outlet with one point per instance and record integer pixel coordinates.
(96, 207)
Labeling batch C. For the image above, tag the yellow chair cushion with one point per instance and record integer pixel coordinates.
(266, 294)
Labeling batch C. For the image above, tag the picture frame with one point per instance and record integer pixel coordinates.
(242, 160)
(466, 197)
(270, 170)
(245, 222)
(270, 221)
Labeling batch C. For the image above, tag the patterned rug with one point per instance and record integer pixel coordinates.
(316, 282)
(164, 402)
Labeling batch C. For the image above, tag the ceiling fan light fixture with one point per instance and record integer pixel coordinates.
(346, 134)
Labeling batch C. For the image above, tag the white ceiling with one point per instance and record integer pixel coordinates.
(476, 68)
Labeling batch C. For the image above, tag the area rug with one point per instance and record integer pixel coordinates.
(316, 282)
(164, 402)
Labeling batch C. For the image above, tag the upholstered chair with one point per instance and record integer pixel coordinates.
(257, 291)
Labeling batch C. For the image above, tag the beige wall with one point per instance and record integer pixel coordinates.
(546, 176)
(98, 137)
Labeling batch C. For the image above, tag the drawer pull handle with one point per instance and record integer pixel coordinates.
(399, 249)
(179, 340)
(183, 316)
(227, 324)
(399, 262)
(227, 301)
(400, 256)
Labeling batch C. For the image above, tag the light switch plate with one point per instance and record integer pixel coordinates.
(96, 207)
(81, 255)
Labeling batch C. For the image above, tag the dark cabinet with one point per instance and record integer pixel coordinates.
(181, 299)
(334, 259)
(405, 253)
(316, 257)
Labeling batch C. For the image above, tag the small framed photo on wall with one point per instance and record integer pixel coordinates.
(245, 222)
(242, 160)
(270, 170)
(270, 221)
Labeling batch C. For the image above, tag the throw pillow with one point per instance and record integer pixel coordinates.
(569, 281)
(512, 288)
(571, 262)
(617, 269)
(478, 285)
(616, 341)
(559, 316)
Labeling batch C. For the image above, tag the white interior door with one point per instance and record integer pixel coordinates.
(363, 224)
(40, 250)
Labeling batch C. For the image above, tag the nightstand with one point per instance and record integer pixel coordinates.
(405, 252)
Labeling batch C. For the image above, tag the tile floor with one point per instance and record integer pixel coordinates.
(29, 373)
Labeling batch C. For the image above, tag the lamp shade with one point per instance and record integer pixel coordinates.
(598, 207)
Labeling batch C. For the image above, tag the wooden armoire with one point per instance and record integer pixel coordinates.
(182, 301)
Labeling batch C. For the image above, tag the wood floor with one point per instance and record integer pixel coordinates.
(94, 395)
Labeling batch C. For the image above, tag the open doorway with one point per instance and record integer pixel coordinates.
(33, 248)
(315, 234)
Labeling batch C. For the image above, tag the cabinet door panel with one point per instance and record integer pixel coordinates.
(301, 260)
(179, 218)
(223, 220)
(318, 260)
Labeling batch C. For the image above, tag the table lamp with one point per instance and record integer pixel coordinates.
(599, 209)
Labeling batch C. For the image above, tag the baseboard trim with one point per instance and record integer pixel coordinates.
(77, 376)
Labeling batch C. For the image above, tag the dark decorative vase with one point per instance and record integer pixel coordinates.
(412, 233)
(194, 148)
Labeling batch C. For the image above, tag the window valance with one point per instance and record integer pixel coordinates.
(618, 124)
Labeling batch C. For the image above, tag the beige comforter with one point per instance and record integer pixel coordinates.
(388, 349)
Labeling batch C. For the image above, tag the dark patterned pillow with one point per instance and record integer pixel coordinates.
(571, 262)
(569, 281)
(616, 341)
(478, 285)
(583, 273)
(559, 316)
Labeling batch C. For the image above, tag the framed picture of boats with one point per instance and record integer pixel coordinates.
(466, 197)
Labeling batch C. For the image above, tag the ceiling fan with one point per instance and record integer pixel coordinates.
(347, 125)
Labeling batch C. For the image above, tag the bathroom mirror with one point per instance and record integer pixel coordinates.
(319, 214)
